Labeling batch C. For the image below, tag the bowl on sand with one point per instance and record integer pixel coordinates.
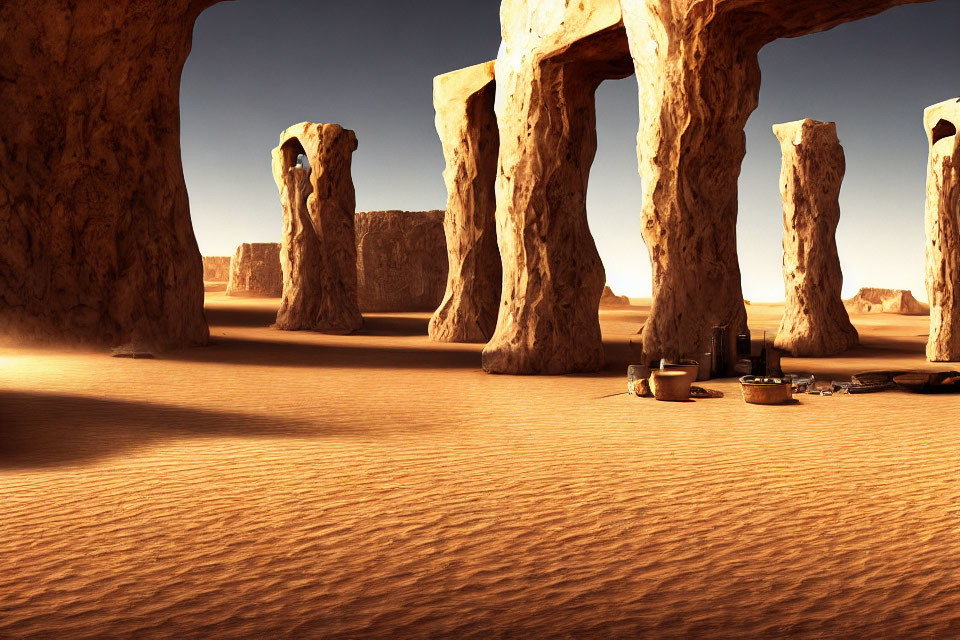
(760, 390)
(670, 384)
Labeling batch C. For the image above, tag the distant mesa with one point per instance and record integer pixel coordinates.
(610, 299)
(873, 300)
(401, 263)
(255, 270)
(216, 268)
(401, 260)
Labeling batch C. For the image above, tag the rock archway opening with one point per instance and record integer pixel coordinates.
(943, 129)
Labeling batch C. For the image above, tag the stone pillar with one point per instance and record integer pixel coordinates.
(318, 252)
(699, 80)
(467, 124)
(815, 322)
(554, 55)
(943, 230)
(97, 245)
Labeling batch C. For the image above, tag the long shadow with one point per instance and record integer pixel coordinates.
(373, 324)
(227, 350)
(240, 316)
(45, 430)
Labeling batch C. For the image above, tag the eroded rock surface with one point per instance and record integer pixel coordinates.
(942, 224)
(216, 268)
(401, 260)
(312, 169)
(467, 125)
(874, 300)
(96, 243)
(554, 55)
(255, 270)
(815, 321)
(699, 80)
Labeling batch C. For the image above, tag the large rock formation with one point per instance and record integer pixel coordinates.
(873, 300)
(255, 270)
(467, 124)
(609, 299)
(699, 80)
(943, 230)
(815, 322)
(401, 260)
(96, 244)
(554, 56)
(216, 268)
(319, 252)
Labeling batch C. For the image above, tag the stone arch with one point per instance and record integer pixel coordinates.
(318, 251)
(101, 252)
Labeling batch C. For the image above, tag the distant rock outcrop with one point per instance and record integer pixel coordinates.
(873, 300)
(610, 299)
(255, 270)
(401, 260)
(216, 268)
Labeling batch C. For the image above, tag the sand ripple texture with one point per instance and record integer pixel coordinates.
(293, 485)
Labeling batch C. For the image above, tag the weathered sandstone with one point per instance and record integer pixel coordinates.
(97, 245)
(554, 56)
(815, 322)
(699, 80)
(467, 125)
(255, 270)
(319, 247)
(873, 300)
(943, 230)
(609, 299)
(216, 268)
(401, 260)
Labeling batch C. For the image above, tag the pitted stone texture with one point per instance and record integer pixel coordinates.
(943, 230)
(699, 80)
(319, 251)
(873, 300)
(255, 270)
(401, 260)
(815, 322)
(553, 57)
(467, 125)
(97, 246)
(216, 268)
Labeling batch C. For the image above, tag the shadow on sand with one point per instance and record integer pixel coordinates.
(45, 430)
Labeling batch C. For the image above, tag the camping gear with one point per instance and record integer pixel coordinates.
(800, 382)
(670, 385)
(873, 381)
(719, 365)
(763, 390)
(637, 383)
(689, 367)
(940, 382)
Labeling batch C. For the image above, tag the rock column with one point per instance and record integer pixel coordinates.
(318, 252)
(815, 322)
(553, 57)
(96, 243)
(699, 80)
(943, 230)
(467, 125)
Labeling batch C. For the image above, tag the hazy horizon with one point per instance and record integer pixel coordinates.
(258, 67)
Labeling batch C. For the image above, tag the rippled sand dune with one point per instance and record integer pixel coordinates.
(308, 486)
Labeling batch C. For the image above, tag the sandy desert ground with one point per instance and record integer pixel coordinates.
(380, 485)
